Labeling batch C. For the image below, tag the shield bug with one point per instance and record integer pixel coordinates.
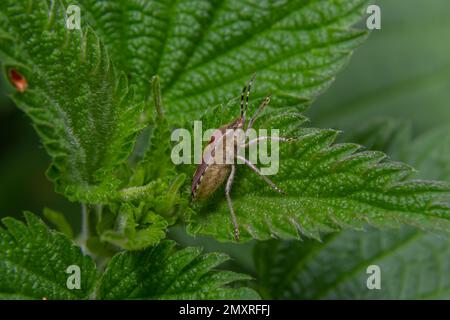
(219, 162)
(18, 80)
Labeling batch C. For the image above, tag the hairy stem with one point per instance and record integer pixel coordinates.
(156, 91)
(84, 233)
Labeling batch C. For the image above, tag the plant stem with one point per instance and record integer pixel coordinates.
(84, 234)
(135, 193)
(156, 91)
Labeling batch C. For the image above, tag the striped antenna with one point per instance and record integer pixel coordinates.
(242, 101)
(246, 93)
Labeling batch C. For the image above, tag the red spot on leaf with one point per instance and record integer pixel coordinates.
(18, 80)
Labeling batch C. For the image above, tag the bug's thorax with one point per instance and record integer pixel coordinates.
(222, 146)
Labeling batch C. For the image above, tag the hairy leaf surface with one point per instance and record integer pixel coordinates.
(34, 261)
(204, 50)
(81, 107)
(161, 272)
(328, 187)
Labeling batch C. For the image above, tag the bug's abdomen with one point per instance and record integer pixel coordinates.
(209, 179)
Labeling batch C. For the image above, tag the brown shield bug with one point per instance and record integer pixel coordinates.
(216, 165)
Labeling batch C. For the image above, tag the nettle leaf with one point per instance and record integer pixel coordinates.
(413, 265)
(59, 221)
(201, 49)
(155, 161)
(135, 228)
(34, 262)
(430, 154)
(152, 198)
(161, 272)
(82, 108)
(140, 215)
(329, 187)
(204, 50)
(385, 134)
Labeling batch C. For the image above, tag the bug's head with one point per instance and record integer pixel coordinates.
(237, 124)
(244, 97)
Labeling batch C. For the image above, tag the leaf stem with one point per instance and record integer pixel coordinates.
(172, 192)
(156, 91)
(84, 233)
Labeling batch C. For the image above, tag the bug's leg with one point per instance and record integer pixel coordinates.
(230, 203)
(267, 180)
(258, 111)
(263, 138)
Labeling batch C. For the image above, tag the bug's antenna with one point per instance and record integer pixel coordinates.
(246, 93)
(242, 102)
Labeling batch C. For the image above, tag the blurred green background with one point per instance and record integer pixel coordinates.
(402, 73)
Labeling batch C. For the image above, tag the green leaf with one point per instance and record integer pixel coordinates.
(413, 265)
(385, 134)
(204, 50)
(82, 108)
(329, 187)
(34, 260)
(161, 272)
(85, 111)
(58, 219)
(141, 214)
(136, 228)
(430, 153)
(156, 162)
